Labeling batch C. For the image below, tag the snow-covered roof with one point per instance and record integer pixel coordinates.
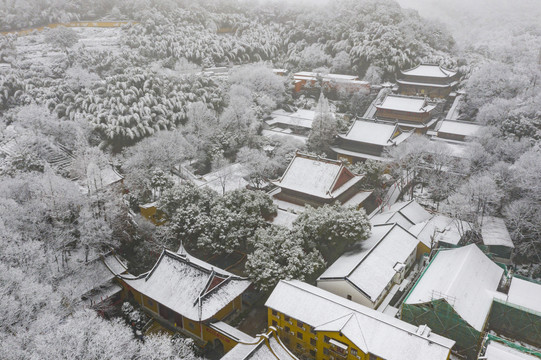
(499, 351)
(358, 198)
(300, 118)
(99, 178)
(494, 232)
(465, 277)
(440, 228)
(460, 128)
(322, 178)
(525, 293)
(369, 330)
(308, 75)
(93, 274)
(274, 133)
(266, 347)
(406, 214)
(231, 332)
(429, 70)
(377, 133)
(371, 267)
(188, 286)
(406, 104)
(405, 82)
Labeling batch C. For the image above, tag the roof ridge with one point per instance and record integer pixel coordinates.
(371, 250)
(365, 313)
(455, 275)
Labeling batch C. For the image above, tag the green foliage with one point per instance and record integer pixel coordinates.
(202, 219)
(331, 229)
(279, 255)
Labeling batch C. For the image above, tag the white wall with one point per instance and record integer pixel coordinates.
(343, 288)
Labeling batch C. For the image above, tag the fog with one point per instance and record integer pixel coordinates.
(474, 21)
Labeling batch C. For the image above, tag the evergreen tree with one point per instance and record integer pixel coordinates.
(324, 128)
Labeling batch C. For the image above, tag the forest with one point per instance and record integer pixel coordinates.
(137, 102)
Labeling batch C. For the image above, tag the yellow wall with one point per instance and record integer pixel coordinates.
(229, 308)
(150, 304)
(293, 342)
(421, 250)
(211, 335)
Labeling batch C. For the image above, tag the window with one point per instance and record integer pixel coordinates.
(326, 351)
(372, 357)
(274, 313)
(312, 341)
(299, 346)
(287, 329)
(312, 330)
(354, 352)
(326, 339)
(300, 324)
(313, 353)
(287, 318)
(274, 323)
(299, 335)
(349, 297)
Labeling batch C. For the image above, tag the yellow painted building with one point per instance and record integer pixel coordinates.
(189, 295)
(320, 325)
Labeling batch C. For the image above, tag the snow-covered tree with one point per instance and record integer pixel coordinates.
(279, 255)
(324, 128)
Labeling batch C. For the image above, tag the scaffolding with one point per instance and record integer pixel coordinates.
(489, 338)
(442, 319)
(515, 322)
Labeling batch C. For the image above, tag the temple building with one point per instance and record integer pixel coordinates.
(427, 80)
(368, 140)
(311, 80)
(191, 297)
(454, 130)
(311, 180)
(408, 112)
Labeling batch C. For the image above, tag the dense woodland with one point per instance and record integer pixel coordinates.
(146, 108)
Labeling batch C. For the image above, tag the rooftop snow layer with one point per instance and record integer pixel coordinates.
(377, 133)
(495, 232)
(371, 270)
(300, 118)
(429, 70)
(259, 349)
(317, 177)
(459, 128)
(189, 286)
(525, 293)
(368, 329)
(498, 351)
(465, 277)
(440, 228)
(406, 104)
(406, 214)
